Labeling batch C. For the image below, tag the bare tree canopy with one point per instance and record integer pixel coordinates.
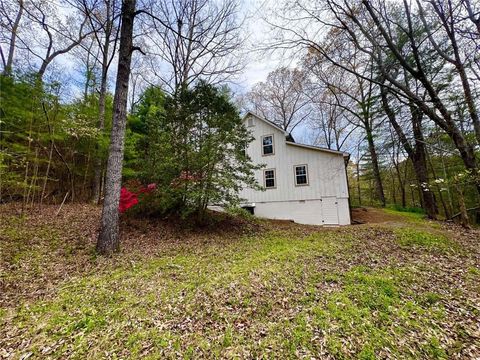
(282, 98)
(196, 39)
(402, 45)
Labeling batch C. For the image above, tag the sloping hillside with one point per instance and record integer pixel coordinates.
(402, 287)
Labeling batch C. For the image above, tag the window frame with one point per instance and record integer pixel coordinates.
(296, 176)
(263, 146)
(274, 179)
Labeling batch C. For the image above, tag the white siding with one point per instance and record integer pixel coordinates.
(326, 177)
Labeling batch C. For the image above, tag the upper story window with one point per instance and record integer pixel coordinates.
(250, 122)
(269, 178)
(267, 145)
(301, 175)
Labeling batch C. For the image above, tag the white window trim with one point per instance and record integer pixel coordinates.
(274, 179)
(273, 145)
(295, 174)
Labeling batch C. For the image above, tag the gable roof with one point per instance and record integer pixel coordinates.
(271, 123)
(290, 140)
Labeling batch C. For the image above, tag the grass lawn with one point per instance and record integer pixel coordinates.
(405, 288)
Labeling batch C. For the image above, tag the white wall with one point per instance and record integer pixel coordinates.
(326, 175)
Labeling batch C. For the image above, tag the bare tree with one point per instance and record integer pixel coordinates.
(195, 39)
(51, 34)
(393, 36)
(103, 20)
(447, 41)
(11, 13)
(329, 122)
(351, 94)
(281, 98)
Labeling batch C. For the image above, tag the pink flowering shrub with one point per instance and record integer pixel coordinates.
(129, 198)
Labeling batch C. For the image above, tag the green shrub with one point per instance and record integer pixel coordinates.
(240, 212)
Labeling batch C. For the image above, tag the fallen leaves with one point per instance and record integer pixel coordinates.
(235, 289)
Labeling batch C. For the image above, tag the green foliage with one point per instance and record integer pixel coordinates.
(48, 147)
(240, 212)
(193, 148)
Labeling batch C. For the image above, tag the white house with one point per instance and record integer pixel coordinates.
(303, 183)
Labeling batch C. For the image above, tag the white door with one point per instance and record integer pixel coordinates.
(330, 211)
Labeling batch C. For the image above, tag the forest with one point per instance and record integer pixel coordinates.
(97, 95)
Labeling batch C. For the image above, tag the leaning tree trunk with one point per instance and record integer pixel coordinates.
(108, 239)
(416, 153)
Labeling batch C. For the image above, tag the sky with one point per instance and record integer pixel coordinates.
(257, 31)
(258, 63)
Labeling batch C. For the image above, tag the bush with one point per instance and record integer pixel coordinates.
(240, 212)
(194, 150)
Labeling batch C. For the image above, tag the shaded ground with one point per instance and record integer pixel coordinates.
(369, 215)
(400, 288)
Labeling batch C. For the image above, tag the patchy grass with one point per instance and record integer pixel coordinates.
(237, 290)
(412, 237)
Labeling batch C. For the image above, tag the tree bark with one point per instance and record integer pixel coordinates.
(13, 38)
(358, 183)
(439, 189)
(463, 208)
(416, 153)
(420, 164)
(106, 60)
(376, 170)
(401, 184)
(108, 239)
(101, 126)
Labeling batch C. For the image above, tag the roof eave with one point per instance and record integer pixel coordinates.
(344, 154)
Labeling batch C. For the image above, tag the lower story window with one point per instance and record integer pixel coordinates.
(301, 175)
(269, 176)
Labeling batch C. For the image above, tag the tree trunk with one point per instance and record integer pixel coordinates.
(463, 207)
(394, 194)
(358, 184)
(47, 173)
(417, 153)
(101, 126)
(11, 48)
(439, 189)
(419, 159)
(97, 180)
(108, 239)
(376, 171)
(401, 183)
